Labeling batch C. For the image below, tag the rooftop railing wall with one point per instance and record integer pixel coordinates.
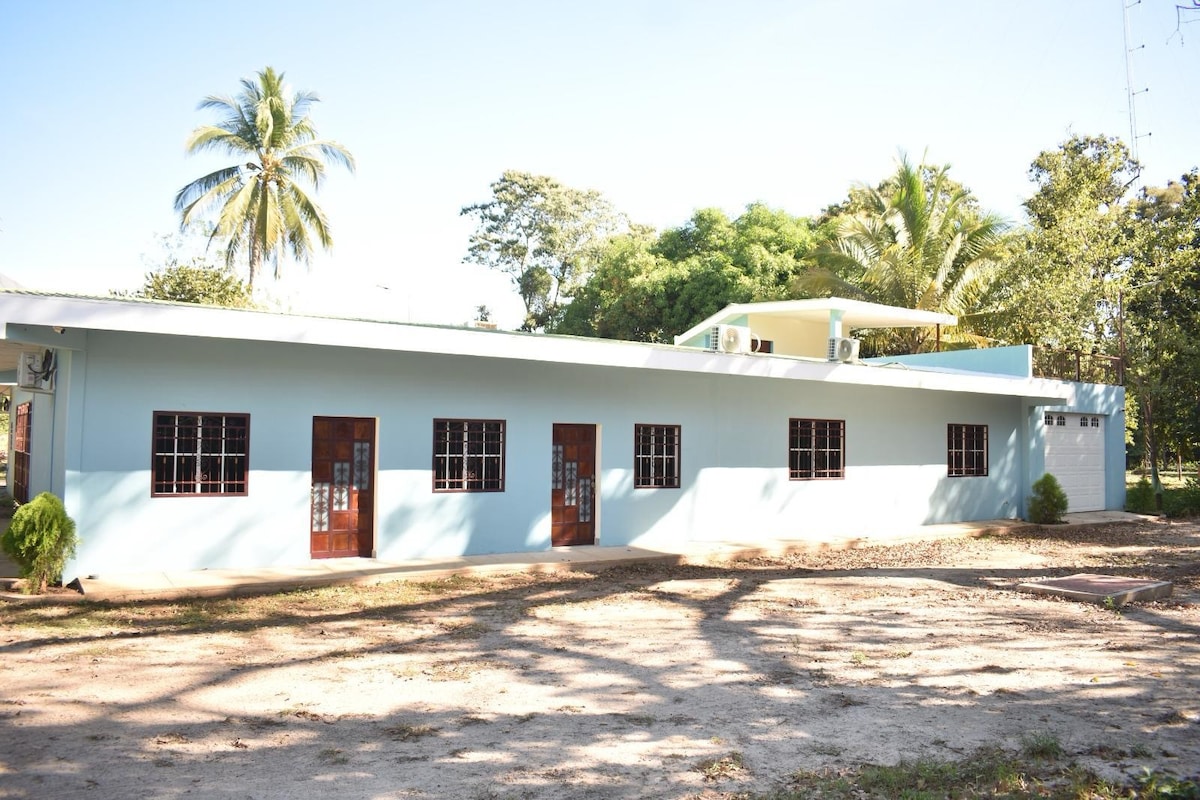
(1076, 365)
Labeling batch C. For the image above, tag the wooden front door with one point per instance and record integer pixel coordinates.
(573, 485)
(343, 481)
(22, 447)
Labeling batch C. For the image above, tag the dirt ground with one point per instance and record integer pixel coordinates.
(638, 682)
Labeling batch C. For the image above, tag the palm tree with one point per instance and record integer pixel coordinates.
(261, 206)
(917, 241)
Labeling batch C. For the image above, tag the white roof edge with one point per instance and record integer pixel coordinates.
(181, 319)
(897, 316)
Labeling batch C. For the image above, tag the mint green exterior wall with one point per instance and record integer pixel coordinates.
(1016, 361)
(734, 452)
(1090, 398)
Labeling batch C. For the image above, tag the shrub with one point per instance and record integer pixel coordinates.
(1049, 501)
(1140, 499)
(1183, 502)
(40, 539)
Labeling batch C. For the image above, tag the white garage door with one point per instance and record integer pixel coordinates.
(1075, 455)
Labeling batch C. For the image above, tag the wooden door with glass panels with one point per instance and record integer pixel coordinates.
(343, 479)
(22, 447)
(573, 485)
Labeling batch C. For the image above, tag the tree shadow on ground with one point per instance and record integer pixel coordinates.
(630, 682)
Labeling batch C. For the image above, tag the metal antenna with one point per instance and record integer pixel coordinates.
(1130, 93)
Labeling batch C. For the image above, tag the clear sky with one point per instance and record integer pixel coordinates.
(664, 106)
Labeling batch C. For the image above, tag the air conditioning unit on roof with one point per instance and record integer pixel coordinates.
(843, 349)
(35, 371)
(730, 339)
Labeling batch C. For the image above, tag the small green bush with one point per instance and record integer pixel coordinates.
(1049, 501)
(1140, 499)
(40, 539)
(1183, 502)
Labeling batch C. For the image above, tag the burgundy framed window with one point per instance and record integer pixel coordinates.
(966, 450)
(816, 449)
(468, 455)
(22, 437)
(200, 454)
(656, 456)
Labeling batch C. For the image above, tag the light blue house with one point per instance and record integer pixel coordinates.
(189, 437)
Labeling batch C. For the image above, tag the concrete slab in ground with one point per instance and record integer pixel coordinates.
(1111, 590)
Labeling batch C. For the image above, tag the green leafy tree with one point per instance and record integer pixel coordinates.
(197, 283)
(1100, 270)
(261, 205)
(1061, 284)
(634, 294)
(544, 236)
(1159, 322)
(648, 288)
(181, 274)
(918, 240)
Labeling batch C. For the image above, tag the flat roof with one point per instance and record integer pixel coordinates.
(44, 319)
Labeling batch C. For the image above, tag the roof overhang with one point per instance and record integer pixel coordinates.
(51, 320)
(852, 313)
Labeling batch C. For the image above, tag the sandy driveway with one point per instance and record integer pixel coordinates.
(655, 682)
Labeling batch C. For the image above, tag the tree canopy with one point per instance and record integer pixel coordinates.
(197, 283)
(1159, 318)
(193, 278)
(544, 236)
(1059, 287)
(649, 287)
(918, 240)
(261, 205)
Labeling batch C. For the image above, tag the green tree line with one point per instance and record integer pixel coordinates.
(1096, 266)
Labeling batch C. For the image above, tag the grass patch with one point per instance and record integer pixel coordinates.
(1167, 787)
(447, 585)
(640, 720)
(987, 773)
(202, 613)
(463, 630)
(1042, 746)
(410, 733)
(458, 670)
(391, 601)
(332, 755)
(725, 767)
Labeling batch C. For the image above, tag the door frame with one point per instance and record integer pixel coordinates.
(367, 550)
(596, 472)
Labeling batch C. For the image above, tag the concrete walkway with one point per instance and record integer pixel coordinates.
(123, 587)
